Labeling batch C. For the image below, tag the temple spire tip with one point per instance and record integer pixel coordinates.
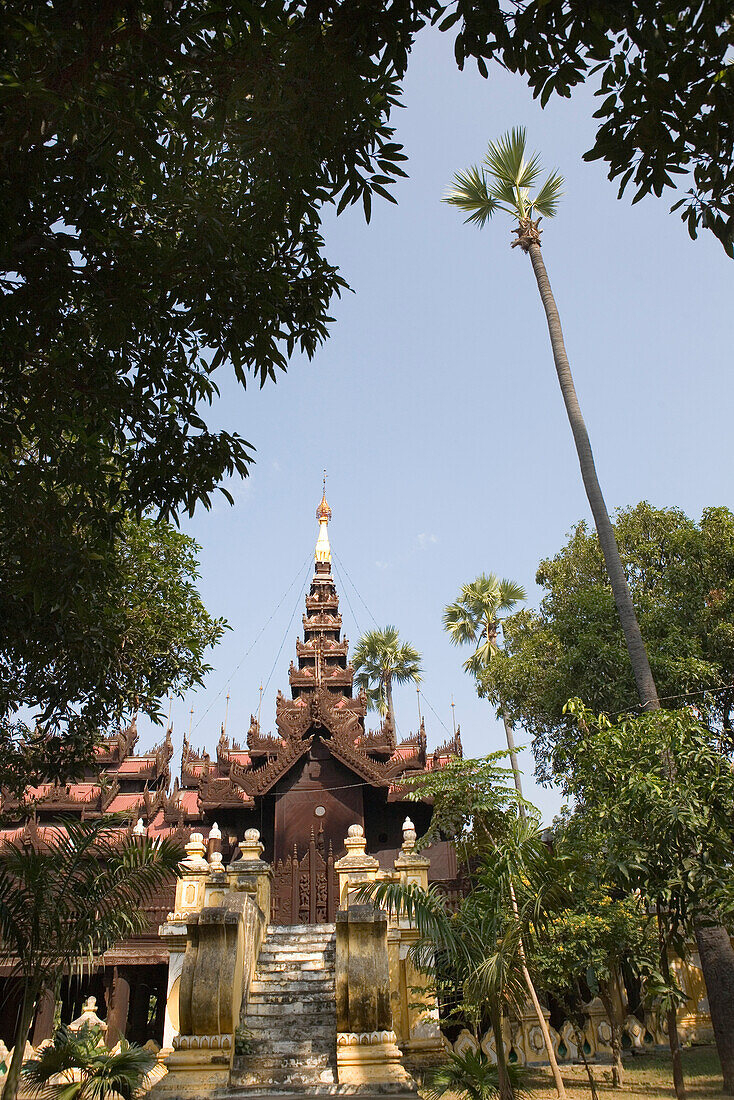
(323, 515)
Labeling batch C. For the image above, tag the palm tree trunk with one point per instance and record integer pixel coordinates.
(513, 753)
(718, 971)
(557, 1079)
(503, 1078)
(388, 692)
(625, 608)
(717, 963)
(10, 1091)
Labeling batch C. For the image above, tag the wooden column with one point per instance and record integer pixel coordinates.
(44, 1025)
(118, 1007)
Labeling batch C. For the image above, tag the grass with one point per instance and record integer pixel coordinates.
(647, 1077)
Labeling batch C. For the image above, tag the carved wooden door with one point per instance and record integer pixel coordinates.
(305, 889)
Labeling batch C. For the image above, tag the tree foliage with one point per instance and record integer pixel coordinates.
(475, 618)
(472, 1076)
(379, 658)
(681, 576)
(162, 170)
(472, 801)
(660, 790)
(69, 899)
(662, 72)
(162, 167)
(135, 630)
(589, 941)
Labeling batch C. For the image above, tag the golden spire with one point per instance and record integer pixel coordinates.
(323, 515)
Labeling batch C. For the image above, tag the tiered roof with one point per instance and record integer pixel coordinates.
(322, 702)
(120, 781)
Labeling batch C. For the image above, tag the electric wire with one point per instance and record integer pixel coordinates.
(287, 629)
(346, 595)
(252, 646)
(374, 620)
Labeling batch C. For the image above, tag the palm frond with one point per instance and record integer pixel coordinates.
(460, 623)
(504, 192)
(510, 593)
(471, 1075)
(103, 1073)
(505, 157)
(475, 617)
(72, 897)
(470, 192)
(505, 182)
(380, 657)
(426, 909)
(546, 200)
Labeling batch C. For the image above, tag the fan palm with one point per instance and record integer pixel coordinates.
(475, 619)
(101, 1073)
(472, 950)
(470, 1075)
(505, 183)
(483, 945)
(67, 899)
(380, 658)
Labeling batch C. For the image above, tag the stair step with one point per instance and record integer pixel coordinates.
(300, 929)
(290, 1015)
(272, 990)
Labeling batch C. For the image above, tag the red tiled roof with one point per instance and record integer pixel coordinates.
(136, 764)
(125, 802)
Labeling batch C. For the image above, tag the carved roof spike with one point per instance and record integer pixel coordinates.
(388, 729)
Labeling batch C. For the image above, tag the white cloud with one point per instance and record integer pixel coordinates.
(424, 540)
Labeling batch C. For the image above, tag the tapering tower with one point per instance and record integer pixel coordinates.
(323, 656)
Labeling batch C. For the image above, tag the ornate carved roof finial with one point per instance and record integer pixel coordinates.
(323, 515)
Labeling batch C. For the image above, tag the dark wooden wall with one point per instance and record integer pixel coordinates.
(316, 781)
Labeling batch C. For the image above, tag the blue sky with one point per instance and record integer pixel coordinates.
(435, 408)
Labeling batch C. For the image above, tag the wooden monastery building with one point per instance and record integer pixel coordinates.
(301, 786)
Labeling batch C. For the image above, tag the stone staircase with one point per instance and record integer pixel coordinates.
(289, 1017)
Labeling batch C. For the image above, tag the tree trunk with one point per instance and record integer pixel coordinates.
(10, 1091)
(671, 1017)
(557, 1079)
(388, 692)
(607, 999)
(503, 1078)
(717, 963)
(635, 646)
(580, 1044)
(513, 753)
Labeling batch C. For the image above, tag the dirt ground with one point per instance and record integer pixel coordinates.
(647, 1077)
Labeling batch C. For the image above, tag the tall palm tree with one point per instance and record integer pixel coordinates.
(380, 658)
(475, 619)
(505, 182)
(67, 899)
